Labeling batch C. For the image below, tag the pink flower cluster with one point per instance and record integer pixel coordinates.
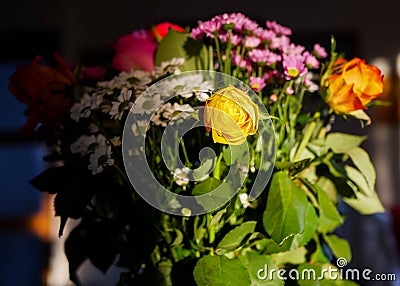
(260, 54)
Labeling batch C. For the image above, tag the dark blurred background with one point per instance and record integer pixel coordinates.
(31, 253)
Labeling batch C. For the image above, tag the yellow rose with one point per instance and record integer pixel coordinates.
(232, 116)
(354, 86)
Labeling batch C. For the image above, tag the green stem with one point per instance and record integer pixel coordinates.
(211, 58)
(228, 54)
(217, 47)
(211, 229)
(217, 168)
(188, 164)
(305, 140)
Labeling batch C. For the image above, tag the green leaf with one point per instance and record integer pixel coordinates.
(310, 227)
(341, 142)
(206, 186)
(286, 208)
(357, 178)
(329, 187)
(329, 217)
(51, 180)
(217, 220)
(360, 114)
(180, 45)
(317, 274)
(294, 256)
(362, 161)
(220, 271)
(202, 172)
(293, 167)
(258, 266)
(179, 238)
(339, 246)
(199, 230)
(365, 205)
(233, 154)
(233, 238)
(318, 256)
(90, 241)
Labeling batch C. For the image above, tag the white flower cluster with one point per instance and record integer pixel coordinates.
(129, 84)
(98, 149)
(109, 101)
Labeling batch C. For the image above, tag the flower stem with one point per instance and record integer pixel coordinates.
(306, 138)
(217, 169)
(188, 164)
(228, 54)
(217, 47)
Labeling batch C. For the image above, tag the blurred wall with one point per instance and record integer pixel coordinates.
(91, 24)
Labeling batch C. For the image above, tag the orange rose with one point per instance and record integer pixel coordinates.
(354, 86)
(44, 90)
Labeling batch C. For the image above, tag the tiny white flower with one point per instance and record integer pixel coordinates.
(170, 109)
(82, 144)
(181, 176)
(202, 96)
(244, 199)
(139, 127)
(123, 99)
(186, 211)
(147, 104)
(174, 204)
(78, 108)
(100, 158)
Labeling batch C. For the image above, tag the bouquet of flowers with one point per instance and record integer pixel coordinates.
(205, 156)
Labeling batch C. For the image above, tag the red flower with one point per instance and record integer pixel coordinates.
(136, 50)
(45, 92)
(161, 30)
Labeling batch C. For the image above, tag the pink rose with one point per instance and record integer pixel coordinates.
(135, 50)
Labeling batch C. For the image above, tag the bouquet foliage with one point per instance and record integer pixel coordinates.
(229, 105)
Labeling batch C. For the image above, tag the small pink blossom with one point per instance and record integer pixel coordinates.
(273, 97)
(264, 56)
(257, 83)
(197, 33)
(311, 61)
(310, 85)
(265, 35)
(280, 43)
(209, 28)
(249, 25)
(278, 29)
(319, 51)
(239, 61)
(293, 66)
(235, 39)
(252, 42)
(293, 49)
(289, 90)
